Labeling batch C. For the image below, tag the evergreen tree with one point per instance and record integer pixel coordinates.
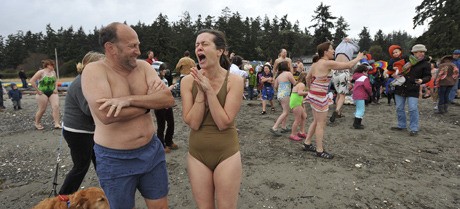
(323, 19)
(163, 44)
(378, 53)
(379, 39)
(443, 34)
(199, 23)
(208, 22)
(340, 30)
(234, 33)
(364, 40)
(183, 35)
(2, 56)
(402, 39)
(14, 51)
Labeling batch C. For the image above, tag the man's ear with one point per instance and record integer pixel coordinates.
(109, 47)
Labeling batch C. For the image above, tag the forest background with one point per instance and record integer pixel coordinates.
(253, 38)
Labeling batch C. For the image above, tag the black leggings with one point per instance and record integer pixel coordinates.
(391, 96)
(82, 153)
(165, 116)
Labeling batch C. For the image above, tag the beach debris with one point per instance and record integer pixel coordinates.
(358, 165)
(407, 160)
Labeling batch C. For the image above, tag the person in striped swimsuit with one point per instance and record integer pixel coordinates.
(318, 97)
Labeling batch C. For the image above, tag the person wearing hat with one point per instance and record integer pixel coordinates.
(416, 71)
(445, 80)
(455, 92)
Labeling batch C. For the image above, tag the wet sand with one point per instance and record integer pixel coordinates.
(372, 168)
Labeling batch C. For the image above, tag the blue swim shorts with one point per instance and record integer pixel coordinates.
(267, 93)
(121, 172)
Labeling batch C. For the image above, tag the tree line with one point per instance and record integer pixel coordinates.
(252, 38)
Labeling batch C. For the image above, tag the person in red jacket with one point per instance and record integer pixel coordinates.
(362, 90)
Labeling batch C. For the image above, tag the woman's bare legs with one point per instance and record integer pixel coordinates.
(312, 128)
(201, 181)
(42, 102)
(54, 100)
(227, 181)
(224, 182)
(321, 118)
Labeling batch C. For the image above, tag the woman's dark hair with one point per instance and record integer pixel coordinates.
(315, 58)
(163, 66)
(237, 60)
(108, 34)
(434, 63)
(269, 67)
(322, 48)
(221, 43)
(361, 69)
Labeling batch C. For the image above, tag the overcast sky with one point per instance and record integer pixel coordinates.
(34, 15)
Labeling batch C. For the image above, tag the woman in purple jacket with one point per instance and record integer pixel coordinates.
(362, 90)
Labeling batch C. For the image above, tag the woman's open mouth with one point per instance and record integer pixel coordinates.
(201, 58)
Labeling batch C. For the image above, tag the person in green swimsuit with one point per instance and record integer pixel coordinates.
(211, 100)
(46, 93)
(295, 103)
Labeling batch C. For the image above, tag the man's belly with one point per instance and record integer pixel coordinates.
(125, 135)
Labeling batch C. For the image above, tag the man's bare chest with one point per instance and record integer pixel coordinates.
(124, 85)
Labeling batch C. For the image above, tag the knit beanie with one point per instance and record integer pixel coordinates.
(392, 48)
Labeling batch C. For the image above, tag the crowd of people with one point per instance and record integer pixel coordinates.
(406, 79)
(107, 118)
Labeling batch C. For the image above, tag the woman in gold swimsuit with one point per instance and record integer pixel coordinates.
(211, 99)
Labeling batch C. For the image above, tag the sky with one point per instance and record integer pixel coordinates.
(34, 15)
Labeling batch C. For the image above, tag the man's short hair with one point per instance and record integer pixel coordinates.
(108, 33)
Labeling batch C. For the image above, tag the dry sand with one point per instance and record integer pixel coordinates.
(373, 168)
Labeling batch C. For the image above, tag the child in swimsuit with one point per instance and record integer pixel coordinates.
(283, 84)
(284, 90)
(295, 103)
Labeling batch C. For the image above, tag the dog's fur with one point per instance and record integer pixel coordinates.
(90, 198)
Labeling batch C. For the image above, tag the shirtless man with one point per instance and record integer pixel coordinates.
(120, 91)
(281, 58)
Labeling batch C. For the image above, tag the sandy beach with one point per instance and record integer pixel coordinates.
(372, 168)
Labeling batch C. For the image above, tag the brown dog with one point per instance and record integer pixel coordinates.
(90, 198)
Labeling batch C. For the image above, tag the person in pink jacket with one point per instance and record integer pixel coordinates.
(362, 90)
